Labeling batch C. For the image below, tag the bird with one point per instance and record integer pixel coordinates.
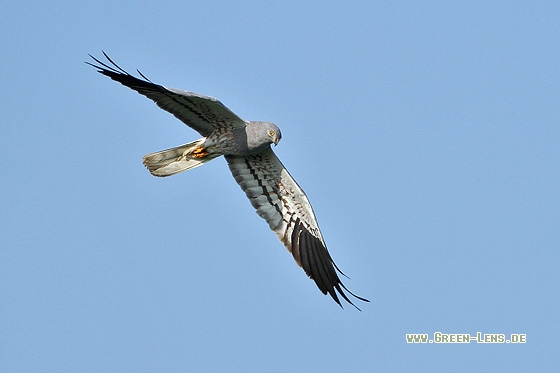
(246, 146)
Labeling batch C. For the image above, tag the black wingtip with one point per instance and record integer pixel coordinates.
(144, 76)
(112, 70)
(340, 288)
(354, 295)
(104, 68)
(318, 264)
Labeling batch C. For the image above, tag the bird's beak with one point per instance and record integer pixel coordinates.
(276, 139)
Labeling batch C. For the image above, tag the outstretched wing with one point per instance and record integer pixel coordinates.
(283, 204)
(202, 113)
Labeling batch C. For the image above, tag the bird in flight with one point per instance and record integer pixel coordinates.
(245, 145)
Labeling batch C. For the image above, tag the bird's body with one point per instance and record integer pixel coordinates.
(253, 138)
(246, 147)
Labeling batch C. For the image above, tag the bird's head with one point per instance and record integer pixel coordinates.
(273, 133)
(261, 134)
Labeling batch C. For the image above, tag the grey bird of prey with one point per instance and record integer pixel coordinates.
(246, 147)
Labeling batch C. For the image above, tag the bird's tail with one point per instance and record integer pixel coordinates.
(181, 158)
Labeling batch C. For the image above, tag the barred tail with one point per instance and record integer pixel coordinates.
(181, 158)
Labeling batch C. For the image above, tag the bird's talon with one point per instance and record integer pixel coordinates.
(200, 152)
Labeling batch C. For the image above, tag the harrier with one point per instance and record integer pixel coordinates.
(246, 147)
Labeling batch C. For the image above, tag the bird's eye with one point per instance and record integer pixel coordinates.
(271, 133)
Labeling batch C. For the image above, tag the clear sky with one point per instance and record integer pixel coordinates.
(426, 135)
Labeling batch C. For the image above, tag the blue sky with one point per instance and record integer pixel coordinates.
(426, 135)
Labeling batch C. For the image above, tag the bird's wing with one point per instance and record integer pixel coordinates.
(282, 203)
(202, 113)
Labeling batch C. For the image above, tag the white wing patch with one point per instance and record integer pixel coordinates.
(282, 203)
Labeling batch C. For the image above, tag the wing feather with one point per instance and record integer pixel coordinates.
(202, 113)
(282, 203)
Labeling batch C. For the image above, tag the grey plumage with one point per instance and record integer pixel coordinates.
(271, 190)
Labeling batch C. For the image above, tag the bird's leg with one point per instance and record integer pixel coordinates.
(200, 152)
